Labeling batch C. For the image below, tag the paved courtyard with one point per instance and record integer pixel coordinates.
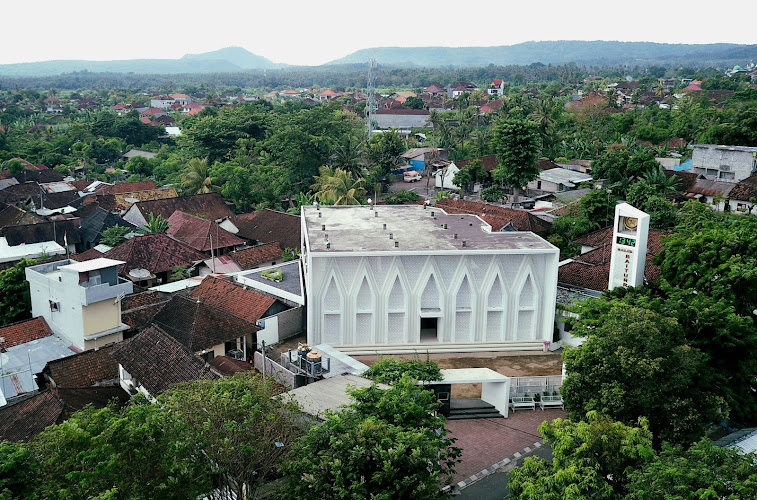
(488, 441)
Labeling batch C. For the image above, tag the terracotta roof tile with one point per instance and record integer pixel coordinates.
(229, 366)
(745, 189)
(85, 369)
(199, 326)
(25, 331)
(76, 398)
(158, 361)
(497, 217)
(252, 257)
(201, 234)
(155, 252)
(221, 293)
(489, 162)
(23, 420)
(209, 206)
(270, 225)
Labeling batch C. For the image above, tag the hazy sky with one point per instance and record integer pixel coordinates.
(314, 32)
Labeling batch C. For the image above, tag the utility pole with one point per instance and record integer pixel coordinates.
(371, 95)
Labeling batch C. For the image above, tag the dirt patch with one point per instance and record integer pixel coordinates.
(512, 364)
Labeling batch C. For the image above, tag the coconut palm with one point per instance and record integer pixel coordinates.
(666, 186)
(335, 186)
(348, 155)
(196, 179)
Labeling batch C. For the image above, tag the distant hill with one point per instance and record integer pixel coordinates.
(558, 52)
(223, 60)
(238, 56)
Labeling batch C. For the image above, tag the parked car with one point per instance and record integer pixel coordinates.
(411, 176)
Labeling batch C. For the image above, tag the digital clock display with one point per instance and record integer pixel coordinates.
(629, 242)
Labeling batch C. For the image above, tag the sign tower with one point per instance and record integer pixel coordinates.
(629, 246)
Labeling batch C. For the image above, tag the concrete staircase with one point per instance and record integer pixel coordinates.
(439, 348)
(471, 408)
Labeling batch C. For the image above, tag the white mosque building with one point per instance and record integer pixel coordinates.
(402, 279)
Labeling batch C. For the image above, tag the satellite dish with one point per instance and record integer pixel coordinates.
(140, 273)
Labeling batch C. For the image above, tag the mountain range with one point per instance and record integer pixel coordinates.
(223, 60)
(609, 53)
(236, 59)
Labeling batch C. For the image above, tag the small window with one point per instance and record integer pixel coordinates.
(54, 306)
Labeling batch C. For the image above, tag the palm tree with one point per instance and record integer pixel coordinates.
(335, 186)
(196, 179)
(348, 155)
(662, 184)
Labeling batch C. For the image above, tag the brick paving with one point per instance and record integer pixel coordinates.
(486, 442)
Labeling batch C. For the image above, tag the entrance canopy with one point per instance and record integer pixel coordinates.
(495, 387)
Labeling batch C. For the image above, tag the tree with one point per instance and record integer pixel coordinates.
(414, 102)
(470, 174)
(387, 444)
(590, 459)
(156, 224)
(335, 186)
(141, 451)
(114, 235)
(702, 471)
(719, 260)
(15, 301)
(493, 194)
(290, 254)
(348, 155)
(401, 197)
(516, 142)
(242, 426)
(384, 149)
(636, 362)
(178, 273)
(196, 179)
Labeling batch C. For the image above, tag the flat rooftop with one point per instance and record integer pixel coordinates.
(408, 228)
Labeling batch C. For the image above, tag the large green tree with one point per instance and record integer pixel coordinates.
(516, 142)
(388, 444)
(702, 471)
(718, 259)
(637, 363)
(591, 459)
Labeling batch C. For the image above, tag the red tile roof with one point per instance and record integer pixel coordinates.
(138, 310)
(270, 225)
(252, 257)
(90, 254)
(155, 252)
(201, 234)
(125, 187)
(592, 269)
(157, 361)
(402, 111)
(497, 217)
(745, 190)
(25, 331)
(222, 294)
(23, 420)
(489, 162)
(208, 206)
(229, 366)
(198, 325)
(85, 369)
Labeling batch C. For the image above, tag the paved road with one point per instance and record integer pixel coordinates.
(494, 486)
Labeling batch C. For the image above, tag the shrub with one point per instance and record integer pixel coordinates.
(390, 370)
